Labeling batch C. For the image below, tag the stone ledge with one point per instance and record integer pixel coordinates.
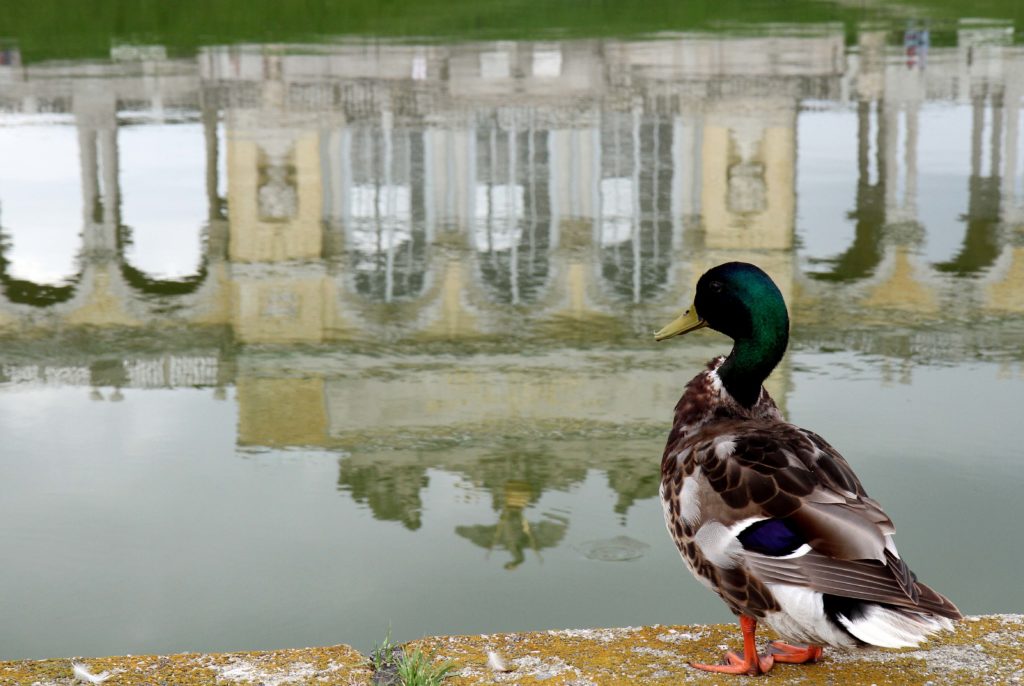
(983, 650)
(336, 665)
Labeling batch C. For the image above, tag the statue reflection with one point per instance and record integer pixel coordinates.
(516, 478)
(513, 532)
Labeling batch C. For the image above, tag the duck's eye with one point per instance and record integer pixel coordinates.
(715, 286)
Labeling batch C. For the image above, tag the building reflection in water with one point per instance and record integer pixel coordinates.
(578, 176)
(443, 198)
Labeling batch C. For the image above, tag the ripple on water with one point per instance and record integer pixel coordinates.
(616, 549)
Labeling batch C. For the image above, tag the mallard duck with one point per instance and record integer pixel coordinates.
(769, 515)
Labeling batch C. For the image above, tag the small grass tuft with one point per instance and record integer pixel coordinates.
(381, 657)
(418, 669)
(395, 666)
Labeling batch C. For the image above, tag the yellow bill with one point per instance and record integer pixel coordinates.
(685, 323)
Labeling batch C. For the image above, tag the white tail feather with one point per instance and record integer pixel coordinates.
(888, 628)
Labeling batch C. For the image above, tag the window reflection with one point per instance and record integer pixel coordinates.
(511, 241)
(384, 222)
(40, 208)
(636, 206)
(163, 198)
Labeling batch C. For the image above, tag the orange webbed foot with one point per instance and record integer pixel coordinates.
(784, 652)
(754, 665)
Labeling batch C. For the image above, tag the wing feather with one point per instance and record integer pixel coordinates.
(774, 469)
(868, 580)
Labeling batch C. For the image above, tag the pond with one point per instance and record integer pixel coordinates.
(306, 338)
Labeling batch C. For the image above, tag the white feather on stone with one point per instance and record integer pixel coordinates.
(82, 673)
(496, 662)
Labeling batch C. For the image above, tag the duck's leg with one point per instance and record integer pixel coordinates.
(751, 663)
(784, 652)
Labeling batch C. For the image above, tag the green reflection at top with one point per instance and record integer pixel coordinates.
(62, 29)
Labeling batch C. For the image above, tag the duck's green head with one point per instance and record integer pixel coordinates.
(741, 301)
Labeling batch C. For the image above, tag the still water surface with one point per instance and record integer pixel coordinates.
(298, 343)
